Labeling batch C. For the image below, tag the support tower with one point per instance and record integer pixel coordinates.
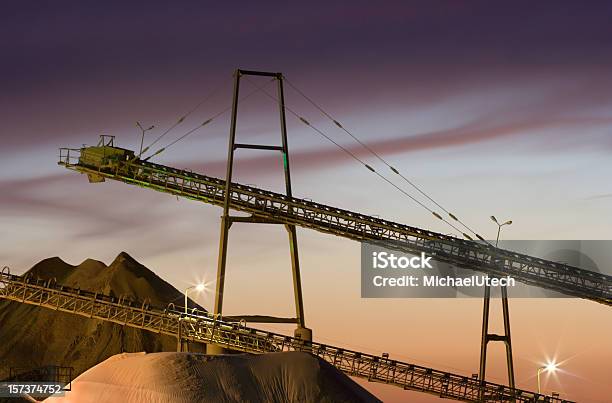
(227, 220)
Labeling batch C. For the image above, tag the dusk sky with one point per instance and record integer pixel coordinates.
(493, 107)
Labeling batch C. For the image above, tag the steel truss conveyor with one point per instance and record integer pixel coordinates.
(266, 206)
(202, 327)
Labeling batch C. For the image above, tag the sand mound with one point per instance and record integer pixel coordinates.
(34, 337)
(190, 377)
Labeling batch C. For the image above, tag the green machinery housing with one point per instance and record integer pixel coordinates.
(103, 156)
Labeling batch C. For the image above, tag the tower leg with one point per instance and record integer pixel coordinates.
(508, 340)
(297, 281)
(221, 263)
(225, 219)
(485, 333)
(301, 331)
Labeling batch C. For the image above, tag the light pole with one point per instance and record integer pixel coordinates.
(200, 287)
(551, 367)
(184, 346)
(486, 336)
(143, 130)
(499, 227)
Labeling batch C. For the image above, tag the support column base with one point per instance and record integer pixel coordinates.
(303, 333)
(182, 346)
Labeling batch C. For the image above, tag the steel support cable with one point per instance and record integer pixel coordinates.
(207, 121)
(182, 118)
(370, 168)
(385, 162)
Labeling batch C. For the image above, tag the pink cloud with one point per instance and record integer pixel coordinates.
(475, 132)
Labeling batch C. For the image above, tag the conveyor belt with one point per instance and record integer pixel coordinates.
(201, 327)
(267, 205)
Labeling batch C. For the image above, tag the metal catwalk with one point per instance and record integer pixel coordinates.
(202, 327)
(266, 206)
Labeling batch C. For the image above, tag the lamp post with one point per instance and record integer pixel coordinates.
(200, 287)
(183, 345)
(486, 336)
(499, 227)
(551, 367)
(143, 130)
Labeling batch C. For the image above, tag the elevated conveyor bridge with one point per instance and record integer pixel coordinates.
(108, 162)
(202, 327)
